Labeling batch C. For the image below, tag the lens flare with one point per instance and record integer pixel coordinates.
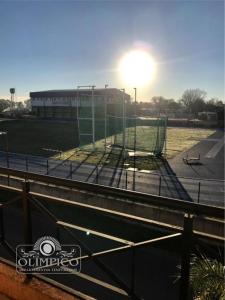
(137, 68)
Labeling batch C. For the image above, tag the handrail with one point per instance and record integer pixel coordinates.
(149, 199)
(152, 173)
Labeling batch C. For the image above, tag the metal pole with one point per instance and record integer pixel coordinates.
(199, 191)
(106, 85)
(96, 175)
(123, 111)
(2, 236)
(71, 170)
(26, 161)
(160, 182)
(135, 136)
(26, 214)
(47, 167)
(78, 123)
(133, 270)
(7, 153)
(93, 116)
(126, 179)
(187, 238)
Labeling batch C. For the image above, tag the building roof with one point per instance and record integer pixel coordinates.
(76, 92)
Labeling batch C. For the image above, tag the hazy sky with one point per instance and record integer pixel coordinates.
(62, 44)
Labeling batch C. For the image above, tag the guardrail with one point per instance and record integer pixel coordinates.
(164, 202)
(205, 191)
(187, 234)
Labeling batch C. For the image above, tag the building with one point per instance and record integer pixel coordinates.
(208, 116)
(63, 104)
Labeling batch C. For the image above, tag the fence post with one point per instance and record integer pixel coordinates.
(126, 179)
(26, 164)
(132, 270)
(26, 214)
(71, 170)
(2, 236)
(47, 166)
(160, 182)
(7, 164)
(199, 191)
(187, 239)
(97, 174)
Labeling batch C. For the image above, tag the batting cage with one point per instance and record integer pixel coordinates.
(106, 123)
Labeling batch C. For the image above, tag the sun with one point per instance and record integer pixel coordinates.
(137, 68)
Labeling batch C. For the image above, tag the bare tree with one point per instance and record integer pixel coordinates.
(194, 100)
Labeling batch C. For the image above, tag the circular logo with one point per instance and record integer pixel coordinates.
(47, 245)
(47, 248)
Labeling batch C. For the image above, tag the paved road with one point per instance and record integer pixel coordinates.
(161, 183)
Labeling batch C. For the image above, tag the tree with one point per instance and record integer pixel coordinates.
(214, 105)
(19, 105)
(194, 100)
(27, 104)
(173, 105)
(4, 104)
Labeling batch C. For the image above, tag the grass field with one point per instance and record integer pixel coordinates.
(181, 139)
(33, 136)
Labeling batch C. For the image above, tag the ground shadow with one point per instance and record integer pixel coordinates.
(171, 185)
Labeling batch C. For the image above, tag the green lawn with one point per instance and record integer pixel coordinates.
(181, 139)
(32, 136)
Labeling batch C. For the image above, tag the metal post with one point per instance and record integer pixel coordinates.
(26, 214)
(96, 175)
(106, 85)
(187, 239)
(7, 154)
(71, 170)
(123, 111)
(160, 183)
(78, 122)
(199, 191)
(126, 179)
(26, 160)
(47, 166)
(93, 116)
(135, 137)
(166, 121)
(2, 236)
(133, 270)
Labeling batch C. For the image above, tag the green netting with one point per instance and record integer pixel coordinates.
(115, 126)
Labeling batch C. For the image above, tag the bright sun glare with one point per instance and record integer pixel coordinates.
(137, 68)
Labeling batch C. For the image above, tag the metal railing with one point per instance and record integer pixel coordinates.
(205, 191)
(27, 197)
